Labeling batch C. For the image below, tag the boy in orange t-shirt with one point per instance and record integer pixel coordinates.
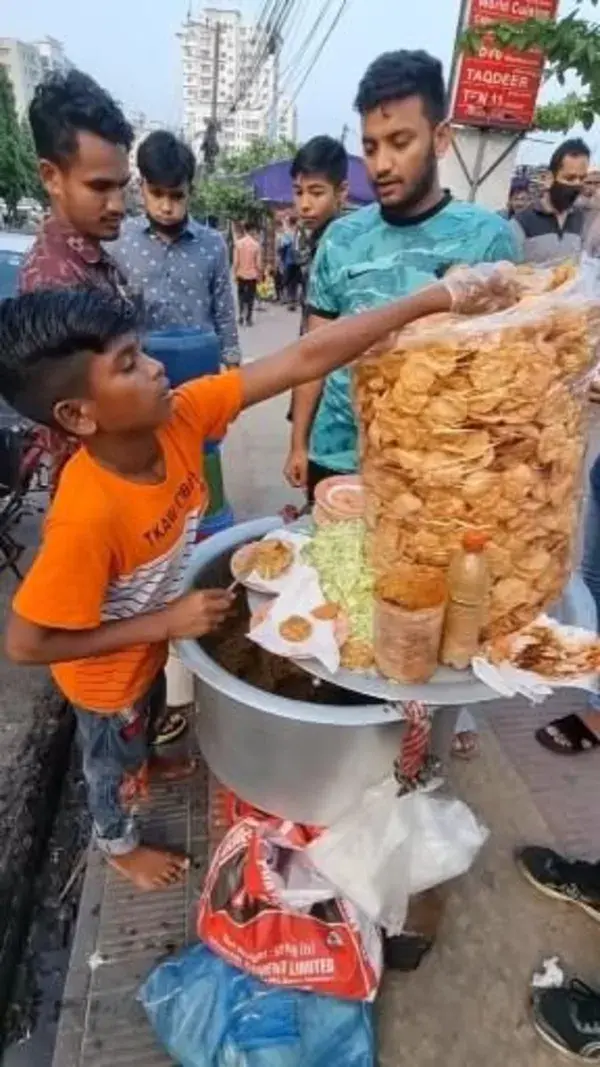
(103, 597)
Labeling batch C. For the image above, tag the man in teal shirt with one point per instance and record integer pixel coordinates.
(413, 234)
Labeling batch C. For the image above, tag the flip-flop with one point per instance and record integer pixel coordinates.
(567, 736)
(465, 745)
(170, 729)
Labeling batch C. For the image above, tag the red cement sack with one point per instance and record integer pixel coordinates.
(265, 910)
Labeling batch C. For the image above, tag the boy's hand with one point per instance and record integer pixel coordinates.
(296, 468)
(198, 613)
(482, 290)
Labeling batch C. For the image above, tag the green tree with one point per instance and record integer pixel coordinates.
(13, 177)
(259, 153)
(30, 163)
(224, 194)
(225, 198)
(571, 46)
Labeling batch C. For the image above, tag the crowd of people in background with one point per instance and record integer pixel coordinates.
(332, 264)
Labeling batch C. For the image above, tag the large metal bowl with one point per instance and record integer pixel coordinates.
(306, 762)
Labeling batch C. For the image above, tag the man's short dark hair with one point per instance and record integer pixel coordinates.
(46, 338)
(575, 146)
(65, 105)
(398, 75)
(324, 156)
(166, 161)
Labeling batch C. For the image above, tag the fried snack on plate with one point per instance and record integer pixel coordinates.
(481, 424)
(326, 612)
(272, 558)
(295, 629)
(548, 651)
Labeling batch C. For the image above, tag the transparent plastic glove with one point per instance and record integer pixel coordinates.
(484, 289)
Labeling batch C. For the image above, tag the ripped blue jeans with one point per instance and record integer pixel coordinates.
(112, 747)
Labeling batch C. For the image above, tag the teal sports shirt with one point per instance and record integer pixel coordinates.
(363, 262)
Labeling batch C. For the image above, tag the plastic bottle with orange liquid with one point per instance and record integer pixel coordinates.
(468, 588)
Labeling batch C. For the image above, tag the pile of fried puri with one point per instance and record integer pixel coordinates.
(481, 423)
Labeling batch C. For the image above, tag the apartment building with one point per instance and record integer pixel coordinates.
(219, 66)
(28, 62)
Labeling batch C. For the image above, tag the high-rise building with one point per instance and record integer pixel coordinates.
(27, 63)
(220, 70)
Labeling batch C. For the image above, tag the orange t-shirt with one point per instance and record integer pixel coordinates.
(113, 548)
(247, 260)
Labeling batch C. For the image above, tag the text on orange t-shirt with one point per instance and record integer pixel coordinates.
(113, 548)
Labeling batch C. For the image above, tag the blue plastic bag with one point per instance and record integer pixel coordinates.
(207, 1014)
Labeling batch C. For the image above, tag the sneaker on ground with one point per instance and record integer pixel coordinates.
(574, 881)
(568, 1019)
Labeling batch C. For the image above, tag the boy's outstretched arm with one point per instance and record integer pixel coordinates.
(467, 291)
(318, 353)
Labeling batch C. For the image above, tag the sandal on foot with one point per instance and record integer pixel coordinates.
(567, 736)
(170, 729)
(465, 745)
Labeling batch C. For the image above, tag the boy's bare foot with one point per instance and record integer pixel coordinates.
(150, 869)
(171, 769)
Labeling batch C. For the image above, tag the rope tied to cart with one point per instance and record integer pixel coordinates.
(415, 765)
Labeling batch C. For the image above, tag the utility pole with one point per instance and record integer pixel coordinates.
(215, 84)
(345, 132)
(275, 52)
(210, 144)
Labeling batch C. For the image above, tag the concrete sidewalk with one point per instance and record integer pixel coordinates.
(467, 1005)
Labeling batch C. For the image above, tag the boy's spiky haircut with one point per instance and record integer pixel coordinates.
(46, 339)
(321, 155)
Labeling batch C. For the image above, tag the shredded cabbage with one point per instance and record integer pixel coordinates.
(337, 553)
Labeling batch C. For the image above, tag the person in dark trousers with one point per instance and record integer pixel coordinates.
(290, 261)
(319, 175)
(553, 228)
(247, 269)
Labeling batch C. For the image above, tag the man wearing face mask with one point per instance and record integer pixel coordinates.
(553, 228)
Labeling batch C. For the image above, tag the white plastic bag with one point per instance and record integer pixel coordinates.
(366, 856)
(390, 848)
(445, 838)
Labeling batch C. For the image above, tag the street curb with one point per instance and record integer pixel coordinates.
(25, 825)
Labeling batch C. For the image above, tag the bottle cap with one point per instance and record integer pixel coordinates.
(475, 541)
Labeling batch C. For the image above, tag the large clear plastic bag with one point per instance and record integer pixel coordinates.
(481, 423)
(208, 1014)
(390, 848)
